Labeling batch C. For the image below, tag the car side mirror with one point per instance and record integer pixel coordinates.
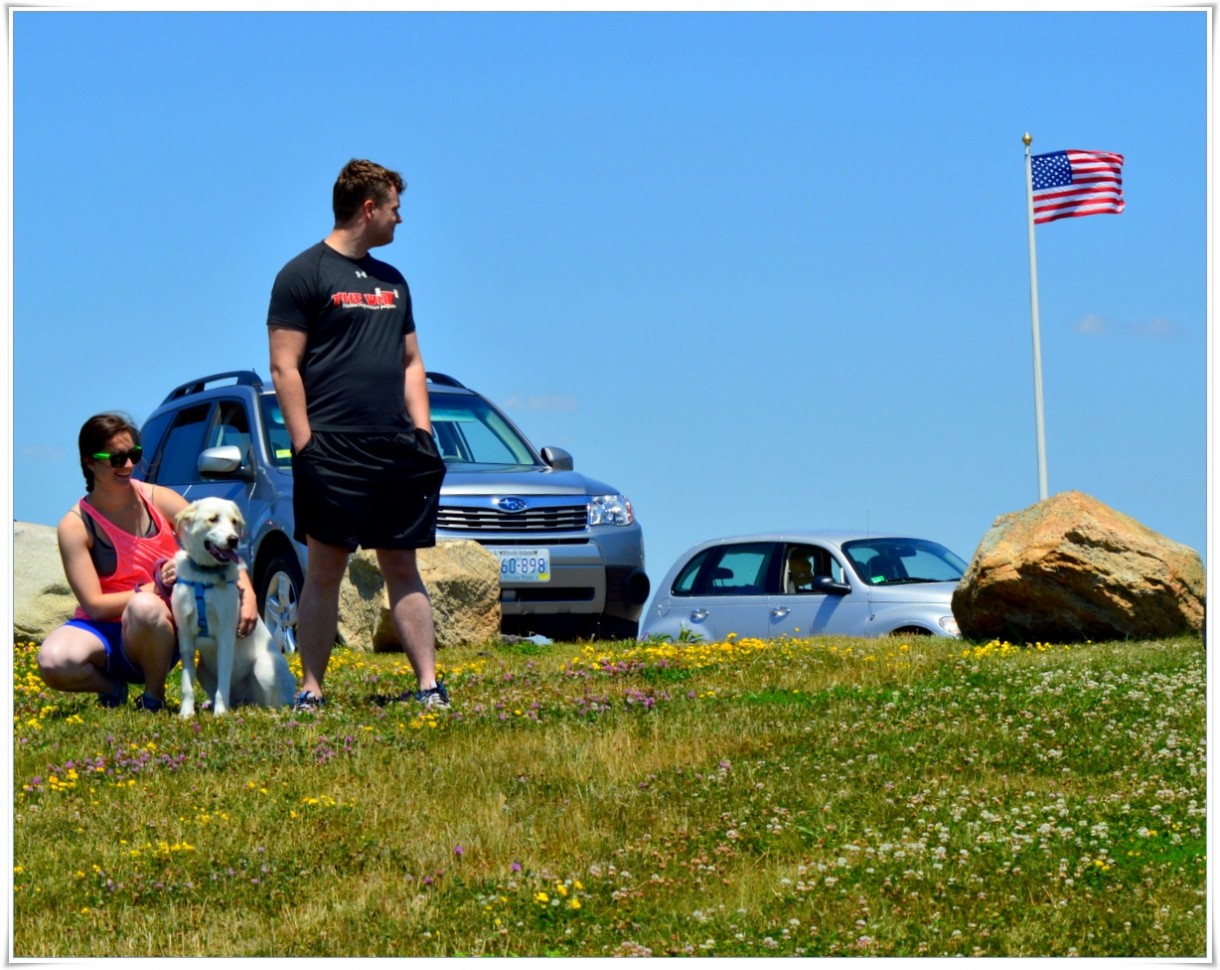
(824, 584)
(223, 461)
(558, 459)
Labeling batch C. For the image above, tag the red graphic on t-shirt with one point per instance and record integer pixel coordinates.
(378, 300)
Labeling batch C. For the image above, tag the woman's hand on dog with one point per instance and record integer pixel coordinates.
(165, 574)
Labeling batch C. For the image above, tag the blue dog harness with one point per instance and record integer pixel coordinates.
(199, 586)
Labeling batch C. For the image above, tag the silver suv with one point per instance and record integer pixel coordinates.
(570, 548)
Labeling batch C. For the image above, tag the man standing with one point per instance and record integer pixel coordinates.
(351, 384)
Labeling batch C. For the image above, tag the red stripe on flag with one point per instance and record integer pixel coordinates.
(1096, 189)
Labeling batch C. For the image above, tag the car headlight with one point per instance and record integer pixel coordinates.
(610, 510)
(949, 625)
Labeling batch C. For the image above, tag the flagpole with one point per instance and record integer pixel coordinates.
(1033, 302)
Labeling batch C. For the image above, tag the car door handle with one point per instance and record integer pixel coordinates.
(698, 615)
(779, 612)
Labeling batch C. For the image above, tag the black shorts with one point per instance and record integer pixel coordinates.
(378, 490)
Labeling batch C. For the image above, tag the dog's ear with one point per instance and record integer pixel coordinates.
(186, 513)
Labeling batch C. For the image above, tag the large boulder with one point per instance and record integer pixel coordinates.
(42, 599)
(463, 581)
(1070, 569)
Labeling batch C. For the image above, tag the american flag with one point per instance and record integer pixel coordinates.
(1076, 183)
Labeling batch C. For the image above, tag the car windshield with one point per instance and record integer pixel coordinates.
(888, 562)
(467, 429)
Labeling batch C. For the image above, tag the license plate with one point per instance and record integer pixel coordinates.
(524, 565)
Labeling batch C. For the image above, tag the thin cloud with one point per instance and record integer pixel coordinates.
(1157, 328)
(542, 403)
(1092, 326)
(41, 454)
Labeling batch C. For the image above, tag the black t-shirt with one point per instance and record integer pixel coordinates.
(356, 313)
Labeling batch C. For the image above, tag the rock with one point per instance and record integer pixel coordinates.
(42, 599)
(462, 577)
(463, 581)
(1070, 569)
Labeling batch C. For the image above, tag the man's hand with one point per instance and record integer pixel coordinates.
(247, 616)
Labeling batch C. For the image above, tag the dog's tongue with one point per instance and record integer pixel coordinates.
(221, 555)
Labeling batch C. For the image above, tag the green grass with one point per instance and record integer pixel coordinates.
(816, 798)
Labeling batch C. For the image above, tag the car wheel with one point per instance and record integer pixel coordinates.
(279, 592)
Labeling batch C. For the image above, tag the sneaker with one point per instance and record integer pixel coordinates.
(434, 698)
(307, 700)
(146, 702)
(114, 698)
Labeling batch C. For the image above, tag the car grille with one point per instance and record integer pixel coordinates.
(564, 518)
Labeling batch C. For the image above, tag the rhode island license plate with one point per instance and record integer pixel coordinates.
(524, 565)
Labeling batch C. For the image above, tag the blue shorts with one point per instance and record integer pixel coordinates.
(118, 665)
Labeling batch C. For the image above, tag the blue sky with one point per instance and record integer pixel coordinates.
(754, 270)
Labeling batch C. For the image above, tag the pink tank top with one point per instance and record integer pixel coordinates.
(135, 555)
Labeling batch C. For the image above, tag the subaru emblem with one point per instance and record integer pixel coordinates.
(511, 504)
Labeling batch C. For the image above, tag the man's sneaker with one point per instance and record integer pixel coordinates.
(307, 700)
(146, 702)
(114, 698)
(434, 698)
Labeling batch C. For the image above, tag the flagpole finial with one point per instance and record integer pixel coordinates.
(1027, 138)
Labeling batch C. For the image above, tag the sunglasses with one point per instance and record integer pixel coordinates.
(118, 459)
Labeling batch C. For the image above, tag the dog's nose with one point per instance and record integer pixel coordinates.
(232, 542)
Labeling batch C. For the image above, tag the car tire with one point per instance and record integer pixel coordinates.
(279, 593)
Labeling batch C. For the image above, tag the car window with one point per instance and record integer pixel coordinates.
(279, 443)
(231, 426)
(684, 585)
(178, 461)
(468, 429)
(881, 562)
(804, 563)
(737, 570)
(928, 564)
(150, 438)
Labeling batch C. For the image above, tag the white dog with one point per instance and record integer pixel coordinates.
(206, 603)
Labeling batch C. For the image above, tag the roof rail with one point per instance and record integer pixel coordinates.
(437, 378)
(246, 378)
